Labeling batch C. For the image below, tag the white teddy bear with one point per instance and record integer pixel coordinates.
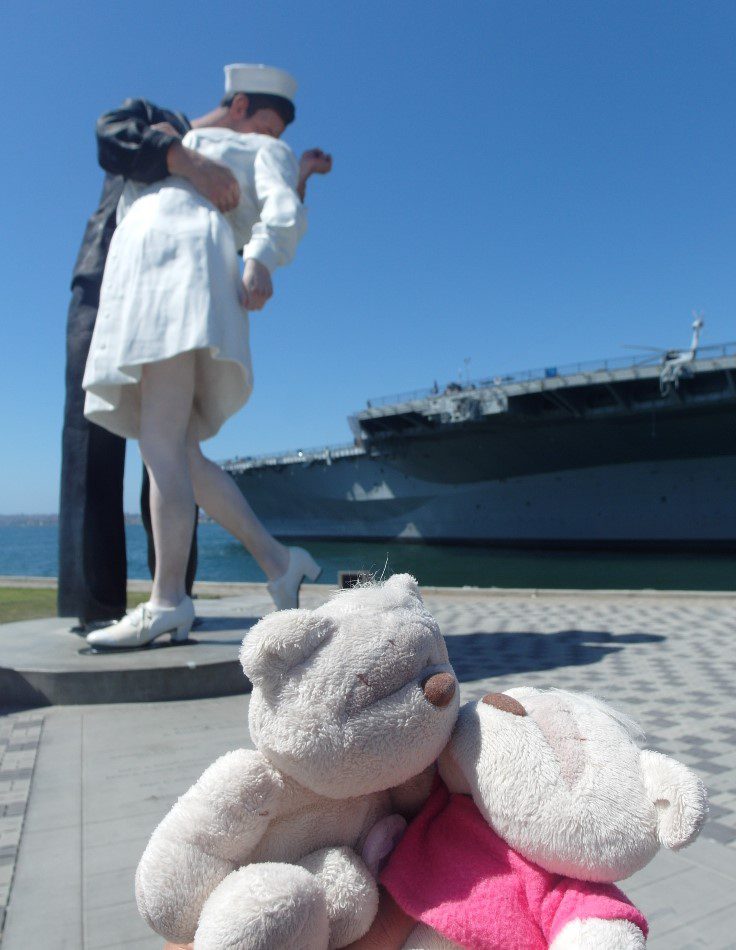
(351, 705)
(547, 799)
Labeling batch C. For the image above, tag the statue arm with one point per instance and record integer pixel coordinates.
(283, 218)
(128, 143)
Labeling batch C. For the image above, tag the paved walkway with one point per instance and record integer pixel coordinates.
(104, 775)
(19, 738)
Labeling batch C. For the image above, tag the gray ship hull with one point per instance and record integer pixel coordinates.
(592, 457)
(688, 503)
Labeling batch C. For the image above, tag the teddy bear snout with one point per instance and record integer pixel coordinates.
(504, 703)
(439, 689)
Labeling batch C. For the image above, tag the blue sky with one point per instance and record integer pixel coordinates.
(519, 183)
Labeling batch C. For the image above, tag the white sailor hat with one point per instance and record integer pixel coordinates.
(255, 77)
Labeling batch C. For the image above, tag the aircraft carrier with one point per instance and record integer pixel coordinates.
(626, 453)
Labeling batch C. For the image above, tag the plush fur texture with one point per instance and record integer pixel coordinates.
(577, 935)
(338, 702)
(351, 898)
(568, 786)
(562, 780)
(599, 935)
(345, 736)
(286, 908)
(492, 897)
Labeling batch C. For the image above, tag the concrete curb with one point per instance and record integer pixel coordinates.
(32, 688)
(42, 663)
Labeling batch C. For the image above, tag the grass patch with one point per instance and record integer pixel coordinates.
(30, 603)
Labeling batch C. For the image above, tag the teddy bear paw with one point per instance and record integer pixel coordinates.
(263, 906)
(350, 892)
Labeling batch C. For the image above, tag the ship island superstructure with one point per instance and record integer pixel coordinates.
(621, 452)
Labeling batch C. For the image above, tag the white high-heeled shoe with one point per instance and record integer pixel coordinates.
(144, 624)
(284, 590)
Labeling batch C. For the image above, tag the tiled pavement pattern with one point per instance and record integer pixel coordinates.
(670, 666)
(19, 738)
(106, 774)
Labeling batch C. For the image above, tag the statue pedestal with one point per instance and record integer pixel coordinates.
(43, 663)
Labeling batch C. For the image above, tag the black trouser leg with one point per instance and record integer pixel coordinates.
(92, 557)
(146, 516)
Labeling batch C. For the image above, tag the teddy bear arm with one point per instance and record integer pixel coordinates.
(350, 892)
(209, 832)
(594, 934)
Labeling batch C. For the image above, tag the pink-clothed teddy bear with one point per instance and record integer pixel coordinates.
(545, 800)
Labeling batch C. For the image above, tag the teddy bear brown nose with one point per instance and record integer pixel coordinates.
(504, 703)
(439, 689)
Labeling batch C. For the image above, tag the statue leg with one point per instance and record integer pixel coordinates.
(150, 548)
(92, 558)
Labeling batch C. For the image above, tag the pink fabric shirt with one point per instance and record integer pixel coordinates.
(454, 873)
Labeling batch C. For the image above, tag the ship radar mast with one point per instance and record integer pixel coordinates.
(675, 363)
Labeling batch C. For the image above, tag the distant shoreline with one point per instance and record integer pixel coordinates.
(36, 519)
(33, 520)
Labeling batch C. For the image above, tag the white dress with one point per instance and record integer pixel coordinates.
(172, 281)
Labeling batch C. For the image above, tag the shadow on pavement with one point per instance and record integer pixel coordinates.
(477, 655)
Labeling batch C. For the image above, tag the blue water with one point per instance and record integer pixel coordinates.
(32, 549)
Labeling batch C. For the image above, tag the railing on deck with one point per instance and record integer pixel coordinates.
(530, 375)
(323, 453)
(326, 453)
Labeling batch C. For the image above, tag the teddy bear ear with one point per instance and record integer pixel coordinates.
(282, 640)
(405, 584)
(678, 795)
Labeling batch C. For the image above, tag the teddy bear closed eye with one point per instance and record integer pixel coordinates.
(351, 705)
(545, 800)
